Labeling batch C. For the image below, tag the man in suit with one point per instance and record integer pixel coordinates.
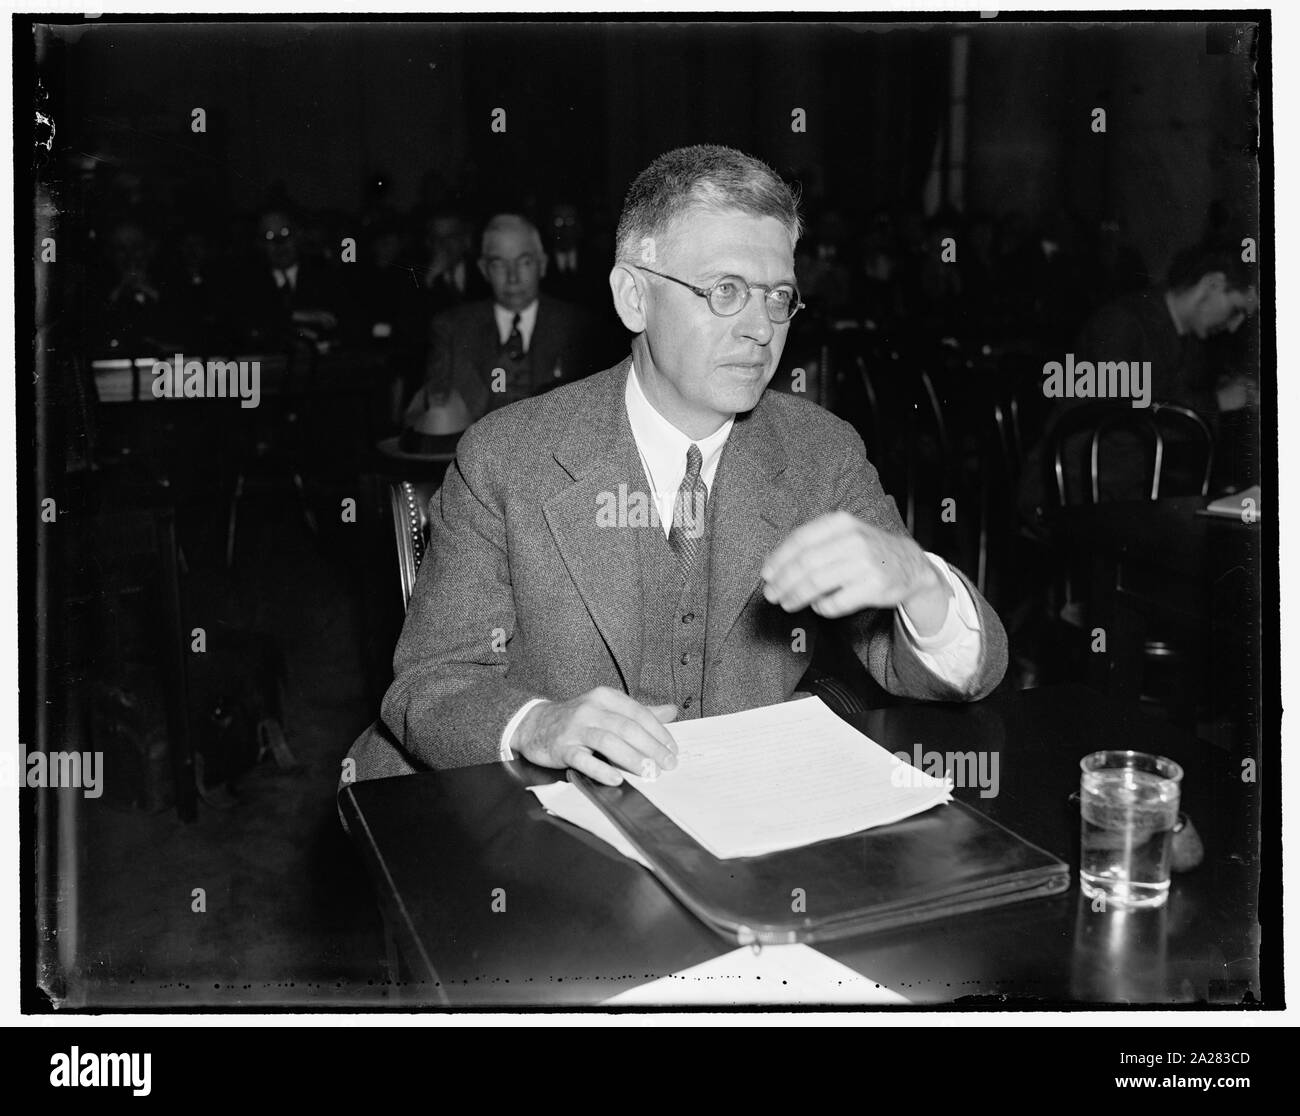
(666, 539)
(518, 342)
(1208, 295)
(446, 271)
(571, 274)
(285, 294)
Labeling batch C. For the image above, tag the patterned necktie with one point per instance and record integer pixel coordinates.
(515, 342)
(688, 513)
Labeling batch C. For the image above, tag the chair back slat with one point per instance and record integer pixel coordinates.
(409, 501)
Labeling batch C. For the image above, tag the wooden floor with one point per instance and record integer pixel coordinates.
(289, 917)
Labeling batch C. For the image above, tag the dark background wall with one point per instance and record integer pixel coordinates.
(322, 107)
(1181, 126)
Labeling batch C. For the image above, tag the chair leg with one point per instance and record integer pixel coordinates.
(232, 523)
(982, 570)
(307, 513)
(178, 714)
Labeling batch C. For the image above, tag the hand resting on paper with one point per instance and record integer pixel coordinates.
(597, 733)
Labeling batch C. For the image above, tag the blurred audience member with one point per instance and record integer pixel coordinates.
(824, 268)
(877, 299)
(385, 295)
(446, 271)
(514, 344)
(197, 290)
(570, 274)
(126, 315)
(1209, 292)
(1116, 264)
(287, 292)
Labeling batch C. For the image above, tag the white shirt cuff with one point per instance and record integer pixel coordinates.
(953, 652)
(504, 748)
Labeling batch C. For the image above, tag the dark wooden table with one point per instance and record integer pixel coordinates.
(581, 923)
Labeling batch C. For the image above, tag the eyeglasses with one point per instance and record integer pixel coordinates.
(284, 234)
(730, 295)
(499, 268)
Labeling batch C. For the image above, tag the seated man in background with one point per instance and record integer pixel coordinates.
(446, 270)
(1210, 292)
(126, 314)
(515, 344)
(286, 294)
(668, 538)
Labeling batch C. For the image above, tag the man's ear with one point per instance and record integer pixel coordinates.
(541, 265)
(628, 298)
(482, 269)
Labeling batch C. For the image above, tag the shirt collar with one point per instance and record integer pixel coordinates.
(527, 320)
(663, 447)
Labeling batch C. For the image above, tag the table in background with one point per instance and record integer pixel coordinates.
(582, 923)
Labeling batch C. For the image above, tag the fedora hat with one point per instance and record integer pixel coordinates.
(431, 426)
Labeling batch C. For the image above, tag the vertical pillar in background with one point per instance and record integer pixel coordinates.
(955, 185)
(48, 717)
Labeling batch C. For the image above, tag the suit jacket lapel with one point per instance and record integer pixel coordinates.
(543, 349)
(489, 342)
(594, 449)
(752, 512)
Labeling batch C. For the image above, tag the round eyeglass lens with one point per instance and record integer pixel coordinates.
(728, 295)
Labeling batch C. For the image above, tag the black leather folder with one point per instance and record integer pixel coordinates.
(950, 860)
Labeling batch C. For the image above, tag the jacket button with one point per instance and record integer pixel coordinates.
(688, 617)
(686, 658)
(686, 703)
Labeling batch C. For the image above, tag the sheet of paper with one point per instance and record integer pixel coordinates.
(784, 974)
(784, 776)
(566, 801)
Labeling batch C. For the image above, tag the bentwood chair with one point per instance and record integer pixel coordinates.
(1161, 451)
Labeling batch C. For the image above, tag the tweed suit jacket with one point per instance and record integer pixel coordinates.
(524, 593)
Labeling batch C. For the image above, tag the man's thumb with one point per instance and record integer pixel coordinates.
(664, 713)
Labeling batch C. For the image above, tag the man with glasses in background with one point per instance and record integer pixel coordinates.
(667, 539)
(514, 345)
(286, 293)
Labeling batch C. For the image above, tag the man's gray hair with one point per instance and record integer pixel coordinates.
(704, 177)
(503, 222)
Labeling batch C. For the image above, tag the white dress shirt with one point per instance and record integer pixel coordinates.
(527, 323)
(663, 447)
(285, 275)
(952, 653)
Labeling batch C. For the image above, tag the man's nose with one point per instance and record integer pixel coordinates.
(753, 322)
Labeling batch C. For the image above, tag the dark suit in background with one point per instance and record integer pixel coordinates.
(264, 309)
(465, 348)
